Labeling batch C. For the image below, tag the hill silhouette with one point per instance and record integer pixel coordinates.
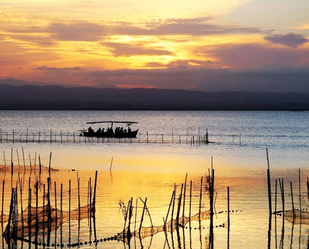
(29, 97)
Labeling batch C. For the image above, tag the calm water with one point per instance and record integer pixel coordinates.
(150, 170)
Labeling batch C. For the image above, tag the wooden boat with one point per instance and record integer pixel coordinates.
(118, 132)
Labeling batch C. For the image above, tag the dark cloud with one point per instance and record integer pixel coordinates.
(120, 49)
(35, 39)
(257, 56)
(46, 68)
(86, 31)
(79, 31)
(184, 28)
(289, 40)
(209, 79)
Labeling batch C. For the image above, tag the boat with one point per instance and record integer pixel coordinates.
(118, 132)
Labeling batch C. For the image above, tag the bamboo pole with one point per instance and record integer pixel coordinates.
(268, 184)
(30, 163)
(78, 186)
(95, 189)
(169, 207)
(56, 212)
(172, 215)
(22, 149)
(130, 215)
(135, 220)
(10, 214)
(18, 163)
(179, 207)
(49, 166)
(70, 212)
(184, 200)
(12, 165)
(200, 204)
(190, 204)
(292, 198)
(29, 211)
(276, 196)
(299, 193)
(21, 206)
(36, 210)
(3, 185)
(142, 218)
(228, 206)
(40, 165)
(43, 213)
(61, 213)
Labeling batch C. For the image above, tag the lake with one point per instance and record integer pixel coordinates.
(150, 170)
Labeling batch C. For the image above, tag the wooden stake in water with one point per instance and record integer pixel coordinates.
(190, 204)
(12, 166)
(36, 209)
(169, 207)
(3, 185)
(21, 206)
(268, 184)
(49, 167)
(276, 187)
(61, 212)
(22, 149)
(172, 215)
(142, 218)
(29, 210)
(228, 217)
(200, 204)
(56, 212)
(299, 193)
(184, 200)
(70, 212)
(179, 207)
(95, 190)
(292, 201)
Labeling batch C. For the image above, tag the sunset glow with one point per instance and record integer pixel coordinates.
(136, 43)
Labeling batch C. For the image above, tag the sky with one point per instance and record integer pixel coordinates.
(213, 45)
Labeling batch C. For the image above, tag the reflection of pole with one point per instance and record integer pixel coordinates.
(29, 211)
(56, 212)
(228, 217)
(61, 213)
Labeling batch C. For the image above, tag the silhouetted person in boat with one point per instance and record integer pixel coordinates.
(90, 130)
(129, 130)
(99, 131)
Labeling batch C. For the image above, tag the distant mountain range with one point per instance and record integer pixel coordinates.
(28, 97)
